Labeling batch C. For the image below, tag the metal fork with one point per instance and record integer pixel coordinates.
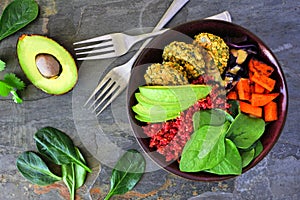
(111, 45)
(117, 79)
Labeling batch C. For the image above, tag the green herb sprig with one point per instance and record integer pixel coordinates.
(2, 65)
(10, 85)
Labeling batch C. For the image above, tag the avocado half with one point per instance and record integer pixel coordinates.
(29, 47)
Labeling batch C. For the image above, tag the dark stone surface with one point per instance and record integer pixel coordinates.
(276, 177)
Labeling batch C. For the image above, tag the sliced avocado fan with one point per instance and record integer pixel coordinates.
(163, 103)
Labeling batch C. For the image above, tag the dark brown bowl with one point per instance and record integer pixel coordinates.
(229, 32)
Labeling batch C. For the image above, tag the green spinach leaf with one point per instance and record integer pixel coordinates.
(234, 108)
(33, 168)
(251, 153)
(232, 162)
(57, 147)
(68, 175)
(205, 149)
(74, 175)
(213, 117)
(247, 157)
(258, 148)
(245, 130)
(126, 173)
(17, 15)
(80, 172)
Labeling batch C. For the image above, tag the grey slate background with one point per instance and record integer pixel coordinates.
(275, 21)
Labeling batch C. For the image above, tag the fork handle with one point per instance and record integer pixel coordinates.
(169, 14)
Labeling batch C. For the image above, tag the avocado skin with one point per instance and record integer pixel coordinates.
(163, 103)
(29, 46)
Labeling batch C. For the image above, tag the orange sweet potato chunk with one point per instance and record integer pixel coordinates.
(258, 88)
(270, 112)
(243, 89)
(232, 95)
(264, 81)
(257, 66)
(262, 99)
(249, 109)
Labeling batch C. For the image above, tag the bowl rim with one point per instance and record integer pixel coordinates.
(266, 51)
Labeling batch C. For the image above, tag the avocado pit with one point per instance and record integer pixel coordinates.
(48, 65)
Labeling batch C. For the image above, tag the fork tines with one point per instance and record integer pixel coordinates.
(109, 88)
(97, 45)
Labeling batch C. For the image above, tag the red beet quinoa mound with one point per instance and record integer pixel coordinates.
(169, 138)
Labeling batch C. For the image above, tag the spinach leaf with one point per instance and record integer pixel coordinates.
(232, 162)
(258, 148)
(80, 172)
(57, 147)
(74, 175)
(33, 168)
(234, 108)
(126, 173)
(251, 153)
(205, 149)
(245, 130)
(68, 175)
(17, 15)
(213, 117)
(247, 157)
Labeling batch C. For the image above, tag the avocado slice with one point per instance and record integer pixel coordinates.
(152, 119)
(30, 47)
(155, 110)
(174, 94)
(144, 100)
(154, 113)
(171, 106)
